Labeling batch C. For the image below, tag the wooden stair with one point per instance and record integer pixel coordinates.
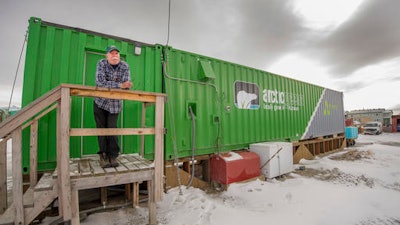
(26, 206)
(35, 200)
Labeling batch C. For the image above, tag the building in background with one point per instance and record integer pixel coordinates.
(367, 115)
(6, 112)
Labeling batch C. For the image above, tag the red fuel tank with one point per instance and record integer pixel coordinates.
(233, 167)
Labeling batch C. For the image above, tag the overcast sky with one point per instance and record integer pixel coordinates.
(351, 46)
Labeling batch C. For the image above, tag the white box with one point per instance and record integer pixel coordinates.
(276, 158)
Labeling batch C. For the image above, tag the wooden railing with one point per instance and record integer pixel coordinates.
(60, 99)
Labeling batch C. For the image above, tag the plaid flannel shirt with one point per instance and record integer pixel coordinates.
(107, 76)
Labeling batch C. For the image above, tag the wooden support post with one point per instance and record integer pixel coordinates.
(128, 191)
(152, 202)
(75, 207)
(33, 153)
(143, 123)
(17, 176)
(135, 198)
(186, 166)
(3, 176)
(159, 148)
(63, 156)
(206, 170)
(103, 196)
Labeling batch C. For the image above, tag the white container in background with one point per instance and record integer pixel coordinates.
(276, 158)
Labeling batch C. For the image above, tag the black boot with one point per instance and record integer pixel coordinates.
(113, 162)
(104, 161)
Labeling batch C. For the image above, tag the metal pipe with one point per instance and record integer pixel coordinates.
(193, 144)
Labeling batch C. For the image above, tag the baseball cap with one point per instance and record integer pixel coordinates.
(111, 48)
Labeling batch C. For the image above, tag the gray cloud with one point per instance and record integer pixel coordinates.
(370, 36)
(352, 86)
(253, 33)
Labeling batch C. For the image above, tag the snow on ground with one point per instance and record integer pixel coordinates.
(357, 186)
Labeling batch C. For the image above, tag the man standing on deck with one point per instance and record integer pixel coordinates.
(111, 73)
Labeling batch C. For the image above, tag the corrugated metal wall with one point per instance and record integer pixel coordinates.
(237, 105)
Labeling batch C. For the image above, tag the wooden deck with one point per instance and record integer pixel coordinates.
(86, 173)
(88, 166)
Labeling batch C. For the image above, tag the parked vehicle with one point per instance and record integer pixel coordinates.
(373, 128)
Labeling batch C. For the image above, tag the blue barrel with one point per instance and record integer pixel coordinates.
(351, 132)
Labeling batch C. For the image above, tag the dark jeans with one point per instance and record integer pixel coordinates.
(105, 119)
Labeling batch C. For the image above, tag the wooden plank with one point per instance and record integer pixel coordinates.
(36, 118)
(63, 125)
(103, 195)
(92, 157)
(57, 170)
(45, 182)
(33, 153)
(28, 198)
(114, 94)
(35, 107)
(143, 123)
(84, 167)
(110, 170)
(75, 87)
(121, 167)
(159, 148)
(8, 217)
(110, 179)
(96, 168)
(17, 175)
(143, 160)
(110, 131)
(3, 176)
(128, 164)
(75, 207)
(128, 191)
(74, 169)
(134, 164)
(42, 201)
(302, 153)
(135, 197)
(152, 202)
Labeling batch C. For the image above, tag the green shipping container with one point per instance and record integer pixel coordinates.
(232, 105)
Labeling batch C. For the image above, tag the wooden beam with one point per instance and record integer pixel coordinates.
(75, 207)
(114, 94)
(17, 190)
(110, 131)
(302, 153)
(51, 108)
(143, 123)
(33, 153)
(152, 202)
(159, 148)
(12, 122)
(74, 87)
(42, 201)
(135, 197)
(110, 179)
(3, 176)
(63, 156)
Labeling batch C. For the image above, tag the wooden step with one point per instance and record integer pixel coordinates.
(45, 183)
(28, 198)
(7, 218)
